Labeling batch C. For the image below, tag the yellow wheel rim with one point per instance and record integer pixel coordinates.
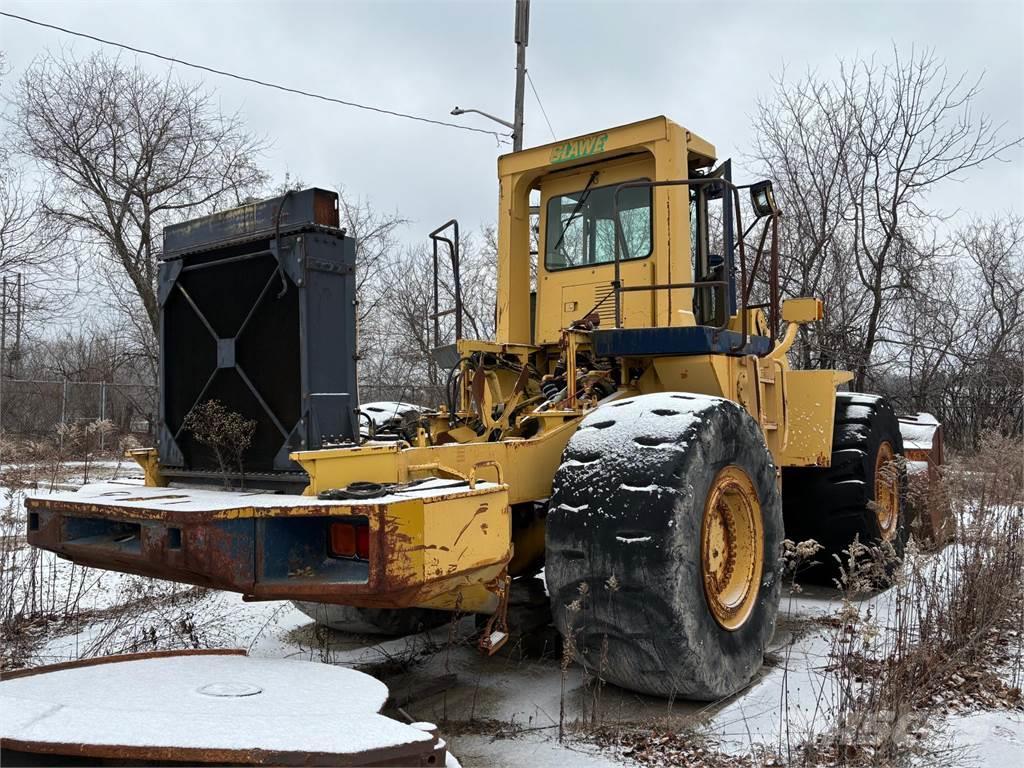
(732, 547)
(887, 491)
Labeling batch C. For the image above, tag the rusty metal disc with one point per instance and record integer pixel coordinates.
(208, 708)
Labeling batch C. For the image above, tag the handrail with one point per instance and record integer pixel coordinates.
(453, 249)
(730, 201)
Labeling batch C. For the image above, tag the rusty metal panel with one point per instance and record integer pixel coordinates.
(929, 506)
(427, 546)
(259, 219)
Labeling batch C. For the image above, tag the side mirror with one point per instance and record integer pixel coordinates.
(762, 199)
(801, 311)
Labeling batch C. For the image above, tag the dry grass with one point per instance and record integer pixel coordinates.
(947, 622)
(44, 598)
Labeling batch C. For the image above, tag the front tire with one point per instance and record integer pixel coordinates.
(663, 544)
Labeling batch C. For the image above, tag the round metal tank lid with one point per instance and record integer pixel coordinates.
(204, 707)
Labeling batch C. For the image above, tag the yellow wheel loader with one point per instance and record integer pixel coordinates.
(634, 428)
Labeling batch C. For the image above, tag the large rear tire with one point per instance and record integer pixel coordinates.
(861, 496)
(392, 622)
(663, 545)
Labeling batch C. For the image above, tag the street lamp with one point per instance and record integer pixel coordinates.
(506, 123)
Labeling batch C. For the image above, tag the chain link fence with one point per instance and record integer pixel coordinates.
(34, 408)
(418, 394)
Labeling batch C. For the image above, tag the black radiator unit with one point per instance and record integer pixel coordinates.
(257, 311)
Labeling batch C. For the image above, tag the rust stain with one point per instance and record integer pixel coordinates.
(480, 510)
(424, 547)
(211, 555)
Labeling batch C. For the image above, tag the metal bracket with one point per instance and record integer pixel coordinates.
(496, 631)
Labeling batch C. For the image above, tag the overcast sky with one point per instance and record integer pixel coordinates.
(594, 64)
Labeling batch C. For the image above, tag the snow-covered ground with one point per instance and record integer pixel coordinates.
(502, 710)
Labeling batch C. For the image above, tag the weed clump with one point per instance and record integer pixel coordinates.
(227, 433)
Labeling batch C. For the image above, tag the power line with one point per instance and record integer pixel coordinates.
(253, 80)
(541, 105)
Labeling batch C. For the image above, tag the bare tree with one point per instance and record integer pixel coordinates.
(377, 248)
(32, 253)
(857, 158)
(397, 343)
(127, 153)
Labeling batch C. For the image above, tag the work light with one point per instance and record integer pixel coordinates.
(762, 199)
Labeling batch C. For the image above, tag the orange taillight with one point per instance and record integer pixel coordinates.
(343, 539)
(363, 542)
(350, 540)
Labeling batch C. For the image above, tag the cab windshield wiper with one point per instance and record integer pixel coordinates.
(575, 212)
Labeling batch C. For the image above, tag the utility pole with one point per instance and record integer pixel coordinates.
(522, 40)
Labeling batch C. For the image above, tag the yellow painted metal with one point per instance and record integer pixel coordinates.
(794, 408)
(810, 412)
(732, 547)
(148, 459)
(440, 551)
(447, 566)
(658, 149)
(567, 295)
(527, 466)
(887, 491)
(802, 310)
(702, 374)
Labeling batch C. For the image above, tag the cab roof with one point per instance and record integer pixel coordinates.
(607, 143)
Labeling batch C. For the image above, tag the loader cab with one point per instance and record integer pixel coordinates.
(662, 237)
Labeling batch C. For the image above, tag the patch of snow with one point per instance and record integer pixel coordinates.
(917, 467)
(535, 750)
(204, 500)
(497, 637)
(571, 508)
(632, 540)
(652, 488)
(385, 410)
(918, 431)
(989, 738)
(302, 706)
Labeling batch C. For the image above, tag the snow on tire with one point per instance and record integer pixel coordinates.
(626, 531)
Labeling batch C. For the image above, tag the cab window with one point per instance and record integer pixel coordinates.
(581, 227)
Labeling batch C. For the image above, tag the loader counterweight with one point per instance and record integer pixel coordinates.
(427, 544)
